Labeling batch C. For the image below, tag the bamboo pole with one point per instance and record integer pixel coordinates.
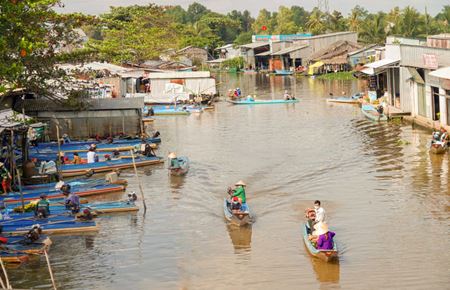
(139, 181)
(50, 269)
(14, 168)
(8, 286)
(1, 281)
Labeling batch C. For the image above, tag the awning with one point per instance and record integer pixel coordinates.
(442, 73)
(254, 45)
(377, 67)
(313, 66)
(266, 53)
(415, 76)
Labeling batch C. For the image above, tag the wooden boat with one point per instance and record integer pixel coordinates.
(170, 111)
(263, 102)
(346, 100)
(73, 183)
(249, 71)
(438, 149)
(46, 156)
(100, 144)
(105, 166)
(183, 167)
(325, 255)
(21, 244)
(52, 227)
(94, 190)
(14, 257)
(282, 72)
(371, 113)
(240, 218)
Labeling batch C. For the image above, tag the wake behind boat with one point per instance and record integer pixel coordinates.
(373, 114)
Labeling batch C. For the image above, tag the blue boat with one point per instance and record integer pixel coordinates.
(105, 166)
(371, 113)
(51, 225)
(24, 245)
(99, 143)
(282, 72)
(83, 191)
(346, 100)
(73, 182)
(325, 255)
(239, 218)
(83, 155)
(263, 102)
(182, 168)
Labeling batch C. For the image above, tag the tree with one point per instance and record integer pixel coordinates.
(264, 19)
(373, 29)
(411, 22)
(336, 21)
(33, 39)
(136, 34)
(178, 14)
(316, 22)
(285, 21)
(356, 18)
(243, 38)
(300, 16)
(394, 21)
(196, 11)
(443, 19)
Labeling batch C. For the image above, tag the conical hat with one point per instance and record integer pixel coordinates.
(321, 228)
(172, 155)
(240, 182)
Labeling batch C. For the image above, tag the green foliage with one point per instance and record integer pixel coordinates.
(345, 75)
(237, 62)
(243, 38)
(33, 38)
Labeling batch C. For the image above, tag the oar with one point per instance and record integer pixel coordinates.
(50, 270)
(32, 217)
(139, 182)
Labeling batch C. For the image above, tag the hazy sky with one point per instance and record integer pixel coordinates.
(100, 6)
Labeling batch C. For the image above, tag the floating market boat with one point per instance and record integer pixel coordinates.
(88, 191)
(50, 226)
(105, 166)
(346, 100)
(239, 218)
(182, 168)
(47, 156)
(100, 144)
(371, 113)
(282, 72)
(263, 102)
(14, 257)
(325, 255)
(73, 182)
(24, 245)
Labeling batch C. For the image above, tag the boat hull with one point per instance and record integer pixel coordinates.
(343, 100)
(183, 169)
(264, 102)
(239, 219)
(283, 72)
(438, 149)
(327, 256)
(371, 113)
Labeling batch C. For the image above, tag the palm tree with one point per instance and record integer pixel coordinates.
(316, 21)
(373, 29)
(411, 22)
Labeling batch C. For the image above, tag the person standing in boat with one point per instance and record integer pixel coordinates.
(71, 200)
(315, 215)
(239, 192)
(92, 156)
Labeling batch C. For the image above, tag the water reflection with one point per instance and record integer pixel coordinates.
(241, 237)
(328, 273)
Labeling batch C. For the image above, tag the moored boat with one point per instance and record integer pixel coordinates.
(262, 102)
(239, 218)
(371, 113)
(283, 72)
(346, 100)
(24, 245)
(438, 149)
(325, 255)
(70, 226)
(14, 257)
(105, 166)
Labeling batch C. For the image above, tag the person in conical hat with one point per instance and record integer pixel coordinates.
(172, 155)
(239, 192)
(173, 160)
(324, 236)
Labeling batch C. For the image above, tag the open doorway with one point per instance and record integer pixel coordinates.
(435, 102)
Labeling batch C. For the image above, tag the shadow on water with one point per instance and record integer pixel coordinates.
(241, 237)
(328, 273)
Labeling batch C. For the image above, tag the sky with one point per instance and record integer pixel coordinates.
(224, 6)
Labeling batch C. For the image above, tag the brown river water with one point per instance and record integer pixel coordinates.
(386, 198)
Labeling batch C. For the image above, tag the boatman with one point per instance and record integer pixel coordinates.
(173, 160)
(71, 200)
(239, 192)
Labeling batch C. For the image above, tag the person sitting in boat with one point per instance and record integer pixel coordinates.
(71, 200)
(173, 160)
(66, 138)
(440, 138)
(235, 204)
(76, 158)
(92, 156)
(115, 155)
(239, 192)
(380, 109)
(43, 207)
(239, 93)
(322, 237)
(287, 97)
(318, 216)
(250, 98)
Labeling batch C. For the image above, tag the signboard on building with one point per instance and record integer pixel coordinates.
(280, 37)
(430, 61)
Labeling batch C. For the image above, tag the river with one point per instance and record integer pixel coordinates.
(386, 198)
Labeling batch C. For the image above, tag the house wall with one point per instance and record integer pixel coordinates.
(88, 123)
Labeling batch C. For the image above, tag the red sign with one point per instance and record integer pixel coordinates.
(430, 61)
(264, 28)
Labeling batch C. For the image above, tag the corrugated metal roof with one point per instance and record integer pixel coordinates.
(442, 73)
(96, 66)
(290, 49)
(9, 118)
(255, 44)
(266, 53)
(180, 75)
(374, 67)
(105, 104)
